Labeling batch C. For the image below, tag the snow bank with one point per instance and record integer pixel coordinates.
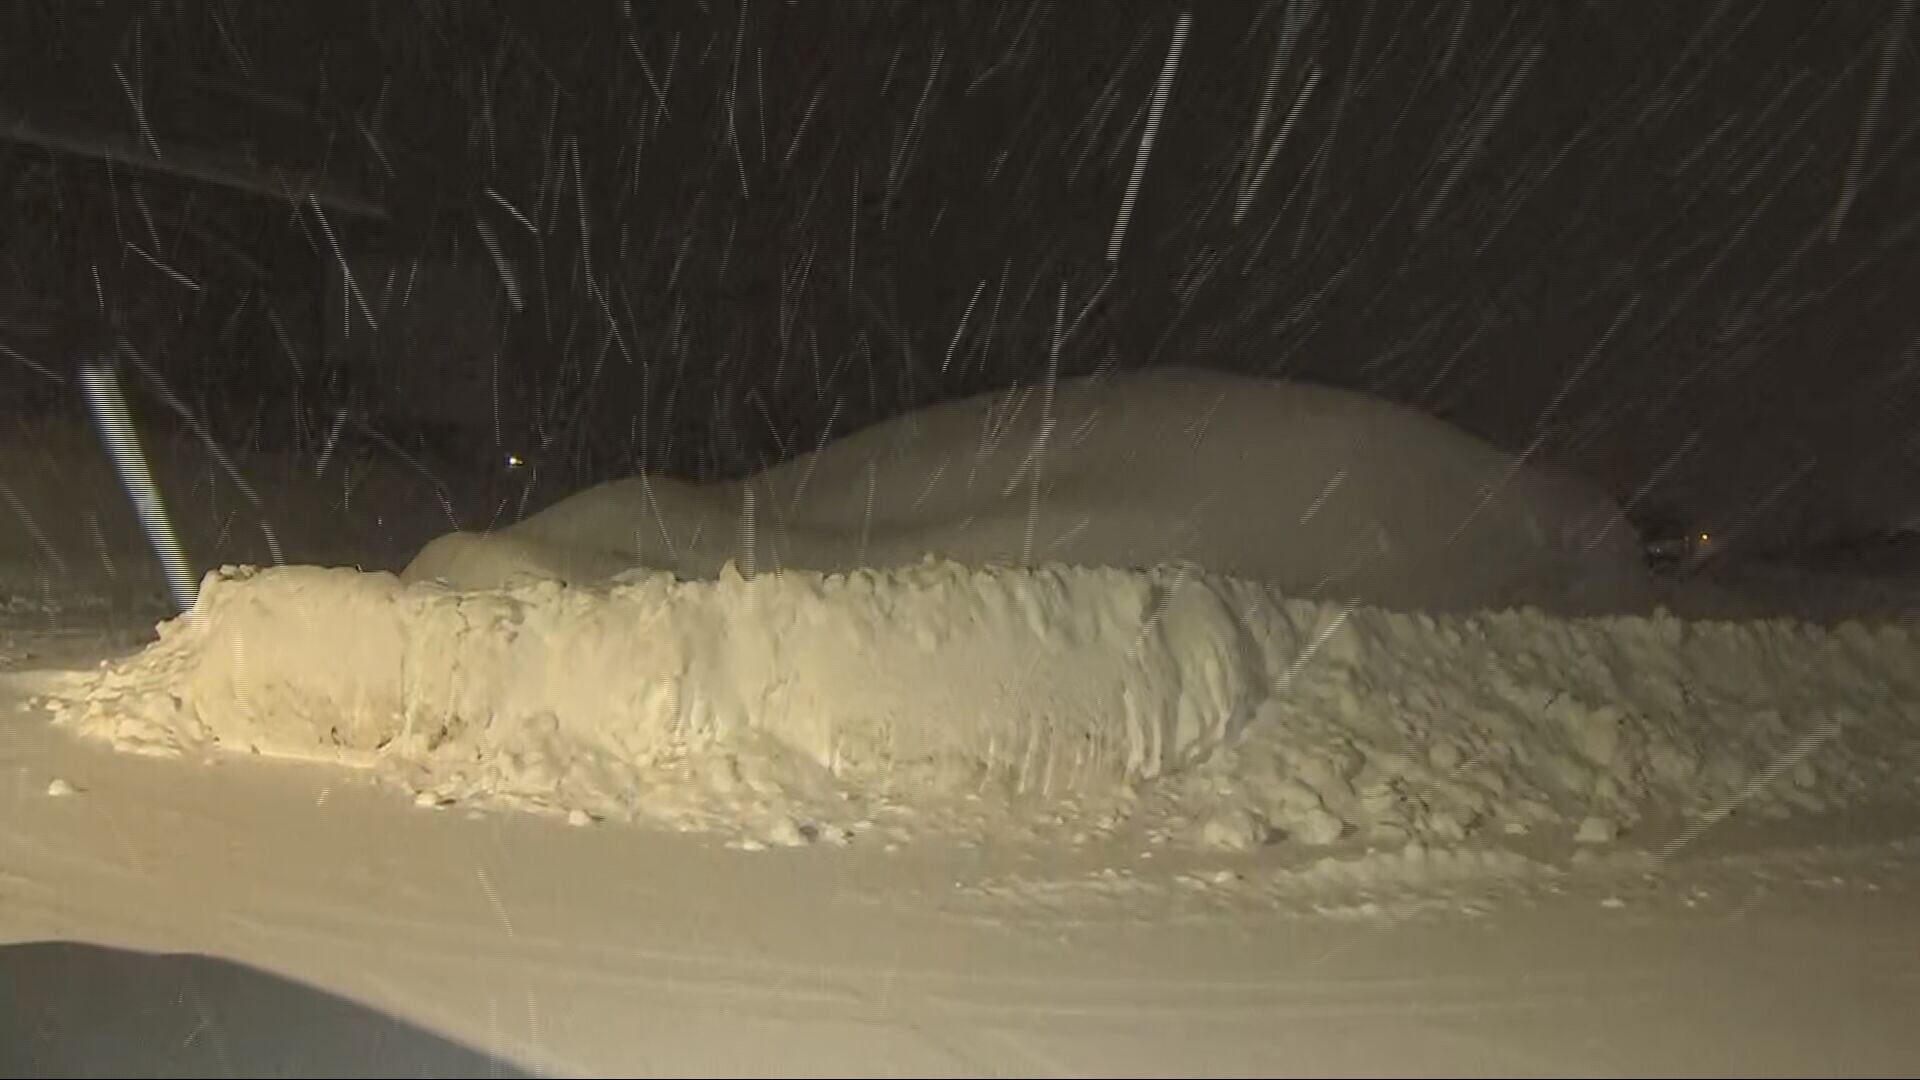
(1322, 492)
(801, 705)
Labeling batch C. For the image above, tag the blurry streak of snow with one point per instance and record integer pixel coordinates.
(1870, 116)
(115, 424)
(1157, 108)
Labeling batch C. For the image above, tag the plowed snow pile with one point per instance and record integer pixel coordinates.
(555, 666)
(802, 705)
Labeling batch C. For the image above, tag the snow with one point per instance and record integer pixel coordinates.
(536, 668)
(616, 951)
(778, 797)
(1321, 492)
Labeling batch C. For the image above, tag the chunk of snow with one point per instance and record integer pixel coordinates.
(1316, 826)
(786, 832)
(1234, 830)
(1595, 830)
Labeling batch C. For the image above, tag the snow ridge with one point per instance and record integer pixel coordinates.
(800, 705)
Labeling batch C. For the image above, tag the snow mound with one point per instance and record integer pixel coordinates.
(1325, 493)
(800, 706)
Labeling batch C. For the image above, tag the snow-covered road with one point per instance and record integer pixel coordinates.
(1775, 949)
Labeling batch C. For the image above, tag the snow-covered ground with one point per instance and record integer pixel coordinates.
(1758, 950)
(1012, 814)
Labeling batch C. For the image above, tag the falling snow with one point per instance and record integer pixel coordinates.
(737, 537)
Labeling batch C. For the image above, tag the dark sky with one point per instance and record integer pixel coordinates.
(1670, 245)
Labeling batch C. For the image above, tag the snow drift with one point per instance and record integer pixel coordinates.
(808, 705)
(1321, 492)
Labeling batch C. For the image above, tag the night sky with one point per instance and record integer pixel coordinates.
(1669, 245)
